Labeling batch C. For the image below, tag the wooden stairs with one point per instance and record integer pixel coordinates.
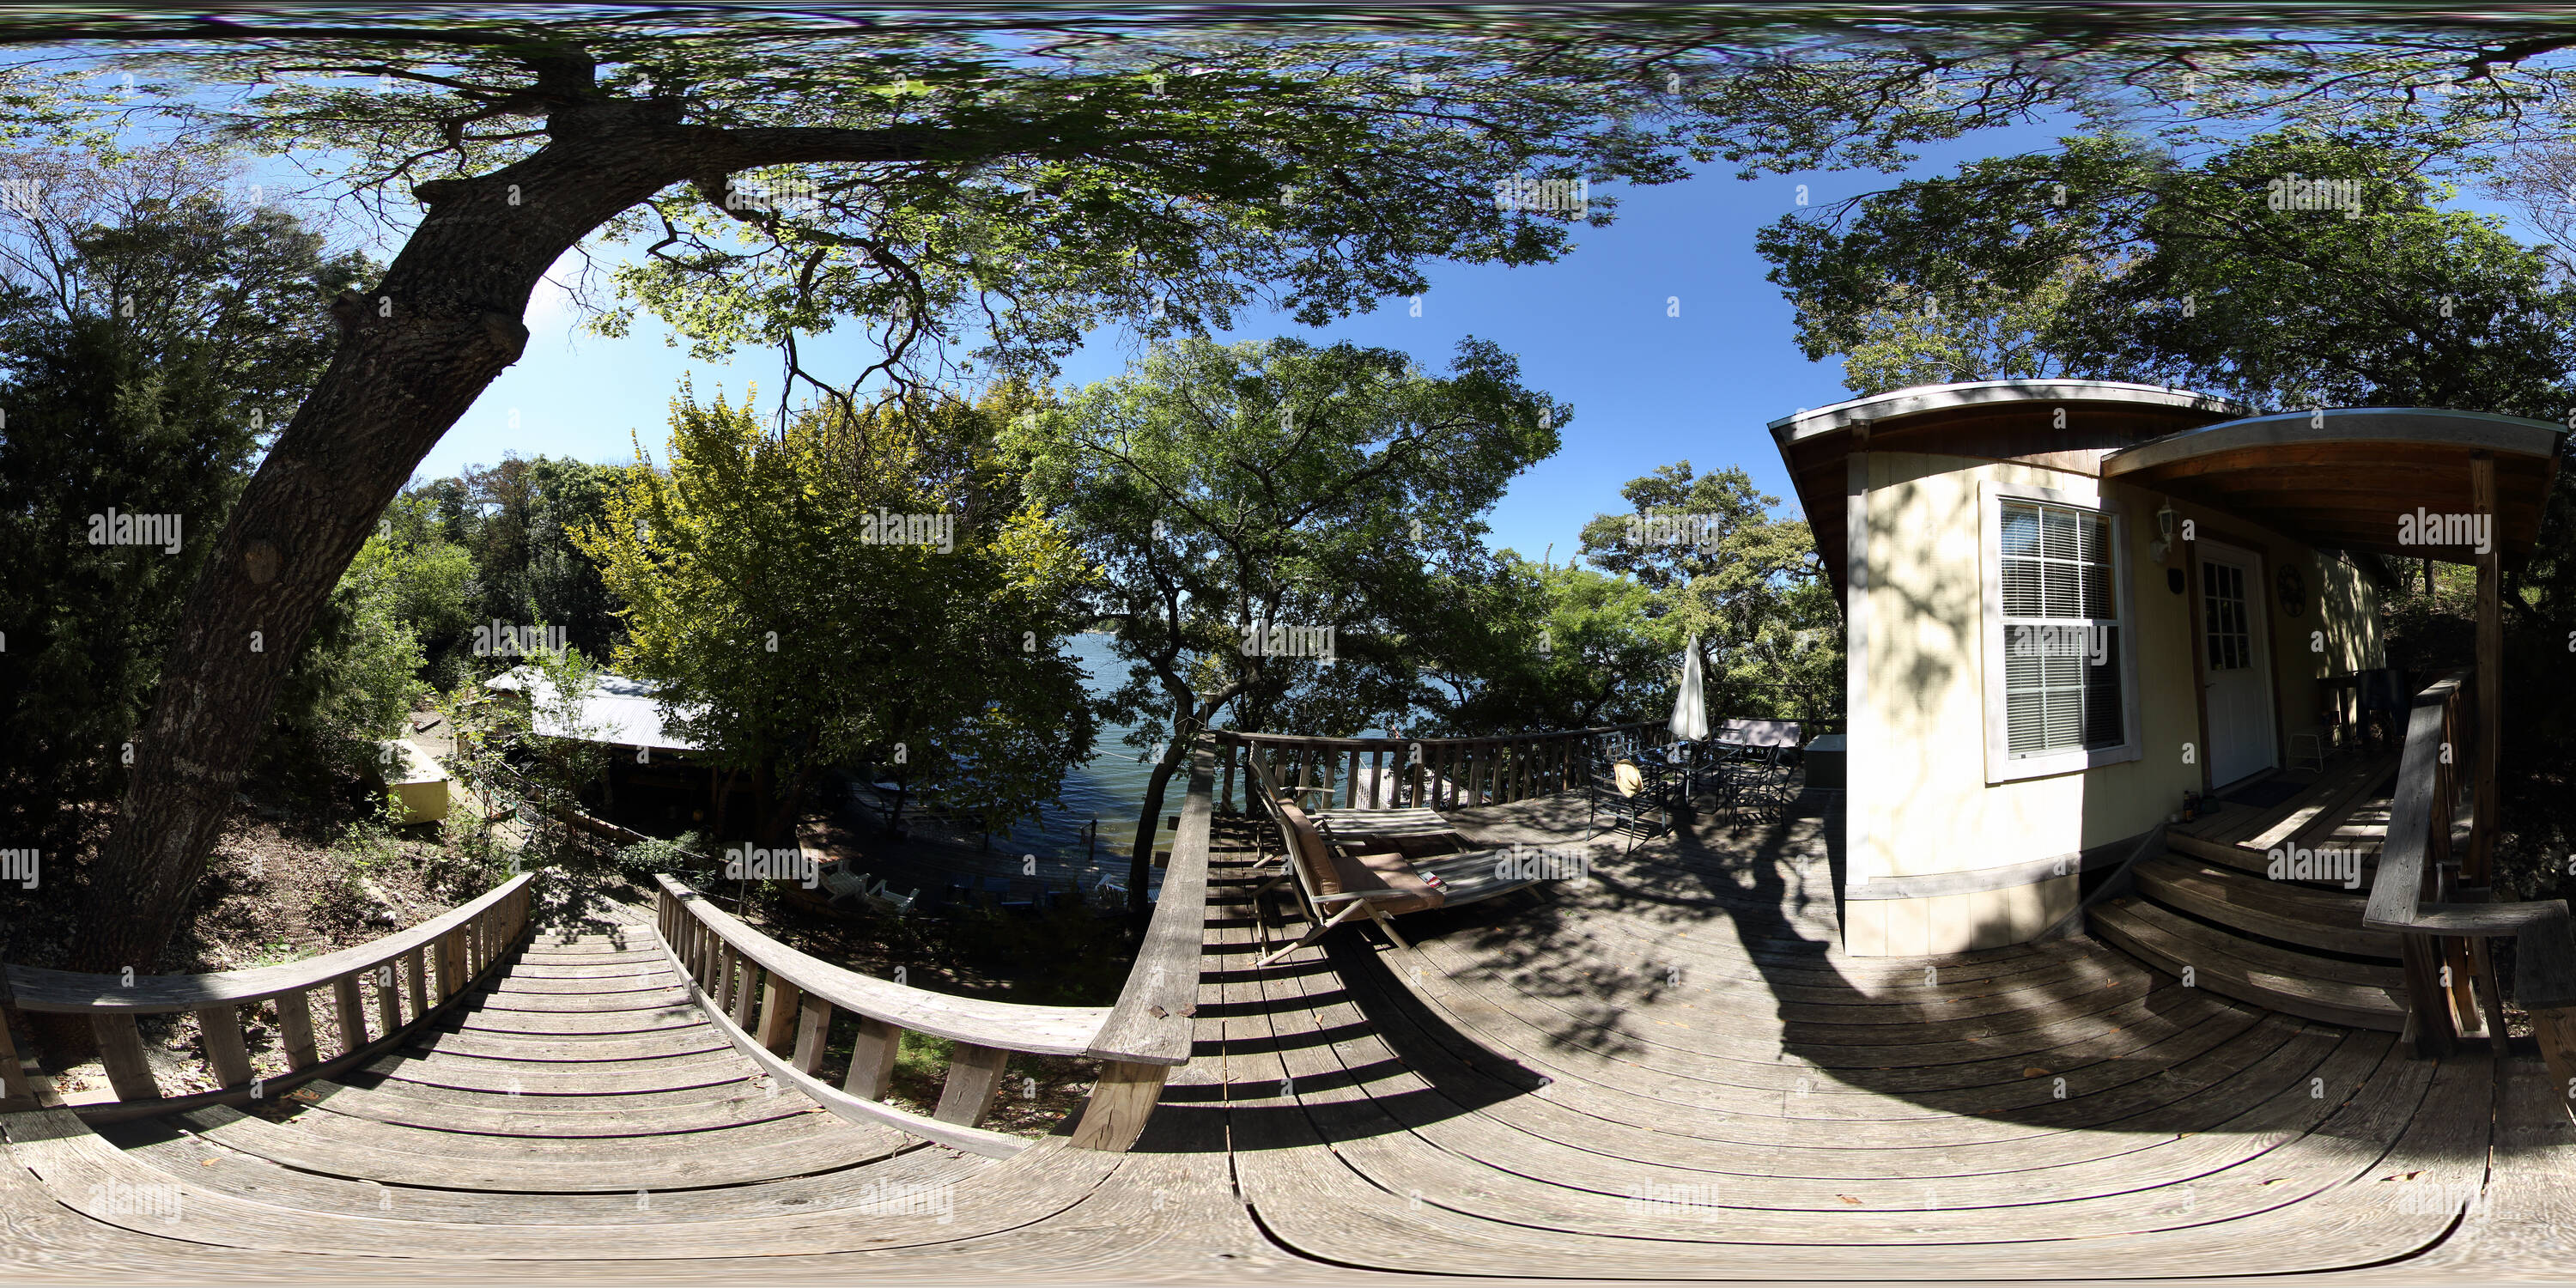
(2209, 905)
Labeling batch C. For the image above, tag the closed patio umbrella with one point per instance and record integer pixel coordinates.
(1690, 706)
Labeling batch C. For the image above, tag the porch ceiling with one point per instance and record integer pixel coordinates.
(2344, 478)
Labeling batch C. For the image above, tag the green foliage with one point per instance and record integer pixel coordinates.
(789, 637)
(1749, 585)
(148, 414)
(1533, 647)
(1227, 487)
(2114, 260)
(352, 685)
(1017, 200)
(689, 858)
(518, 520)
(430, 584)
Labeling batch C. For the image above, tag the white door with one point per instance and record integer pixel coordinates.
(2236, 662)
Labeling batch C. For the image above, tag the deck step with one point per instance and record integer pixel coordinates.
(2293, 912)
(2295, 983)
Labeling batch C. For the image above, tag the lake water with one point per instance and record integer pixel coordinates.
(1110, 786)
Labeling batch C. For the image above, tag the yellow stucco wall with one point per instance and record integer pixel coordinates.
(1923, 805)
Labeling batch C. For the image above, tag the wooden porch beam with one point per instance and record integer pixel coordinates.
(2482, 492)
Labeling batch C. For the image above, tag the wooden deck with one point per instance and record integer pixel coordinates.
(1664, 1071)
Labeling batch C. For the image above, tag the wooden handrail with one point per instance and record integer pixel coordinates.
(60, 991)
(1446, 772)
(777, 1006)
(2410, 895)
(1038, 1030)
(463, 944)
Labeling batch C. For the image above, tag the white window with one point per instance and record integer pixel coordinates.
(2060, 680)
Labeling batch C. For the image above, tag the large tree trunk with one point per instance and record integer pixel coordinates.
(417, 350)
(1149, 824)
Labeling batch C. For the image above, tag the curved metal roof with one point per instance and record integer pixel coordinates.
(1922, 398)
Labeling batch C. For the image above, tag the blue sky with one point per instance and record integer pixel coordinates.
(1592, 329)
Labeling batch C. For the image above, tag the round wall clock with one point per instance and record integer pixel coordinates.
(2293, 589)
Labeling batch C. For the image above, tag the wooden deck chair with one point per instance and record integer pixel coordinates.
(1334, 885)
(1316, 870)
(1354, 824)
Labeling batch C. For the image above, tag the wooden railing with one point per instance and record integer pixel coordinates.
(778, 1006)
(410, 976)
(1443, 773)
(2439, 904)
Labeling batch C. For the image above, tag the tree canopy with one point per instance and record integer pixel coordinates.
(796, 616)
(1232, 492)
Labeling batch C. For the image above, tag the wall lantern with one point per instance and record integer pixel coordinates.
(2164, 534)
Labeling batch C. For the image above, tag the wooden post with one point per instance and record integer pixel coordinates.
(451, 964)
(872, 1059)
(813, 1033)
(351, 1008)
(13, 1076)
(388, 1001)
(2428, 1004)
(225, 1053)
(974, 1074)
(416, 981)
(2556, 1028)
(295, 1030)
(120, 1048)
(2482, 498)
(779, 1006)
(1120, 1103)
(745, 977)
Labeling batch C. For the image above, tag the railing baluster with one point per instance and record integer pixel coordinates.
(451, 964)
(416, 982)
(813, 1033)
(226, 1054)
(120, 1048)
(388, 1001)
(872, 1059)
(14, 1086)
(778, 1005)
(974, 1075)
(295, 1030)
(351, 1008)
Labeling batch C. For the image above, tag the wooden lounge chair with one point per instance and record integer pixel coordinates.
(1335, 885)
(1355, 825)
(883, 899)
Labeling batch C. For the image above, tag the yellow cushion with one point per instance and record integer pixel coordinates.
(1630, 779)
